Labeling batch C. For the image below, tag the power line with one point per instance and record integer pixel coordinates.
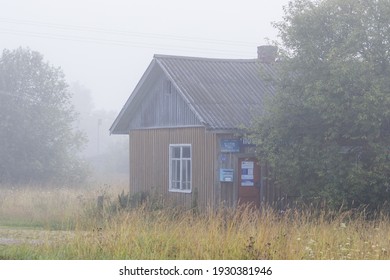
(126, 33)
(117, 42)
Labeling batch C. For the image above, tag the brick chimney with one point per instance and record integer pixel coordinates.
(267, 53)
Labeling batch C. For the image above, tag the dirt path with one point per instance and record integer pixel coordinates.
(12, 236)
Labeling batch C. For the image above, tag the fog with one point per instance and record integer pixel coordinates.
(104, 47)
(106, 155)
(107, 45)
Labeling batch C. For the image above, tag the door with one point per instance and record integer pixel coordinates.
(249, 181)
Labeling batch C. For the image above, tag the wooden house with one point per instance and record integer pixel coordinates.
(184, 120)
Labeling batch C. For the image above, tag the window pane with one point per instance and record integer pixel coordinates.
(176, 185)
(176, 170)
(189, 170)
(175, 152)
(186, 152)
(184, 171)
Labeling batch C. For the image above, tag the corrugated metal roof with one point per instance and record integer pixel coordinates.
(223, 93)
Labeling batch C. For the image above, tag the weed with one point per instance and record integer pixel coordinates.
(63, 223)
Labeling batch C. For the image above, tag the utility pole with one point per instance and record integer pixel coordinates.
(99, 124)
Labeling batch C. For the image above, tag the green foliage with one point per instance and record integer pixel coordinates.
(37, 140)
(127, 201)
(150, 201)
(246, 235)
(326, 133)
(72, 228)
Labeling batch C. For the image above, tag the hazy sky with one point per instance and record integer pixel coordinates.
(106, 45)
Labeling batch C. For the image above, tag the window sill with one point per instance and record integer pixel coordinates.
(180, 191)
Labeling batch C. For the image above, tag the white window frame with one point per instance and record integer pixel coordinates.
(181, 160)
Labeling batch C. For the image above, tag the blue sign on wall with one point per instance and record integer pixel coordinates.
(226, 175)
(230, 145)
(247, 142)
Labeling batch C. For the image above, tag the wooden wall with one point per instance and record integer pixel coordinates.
(227, 193)
(149, 163)
(161, 106)
(149, 167)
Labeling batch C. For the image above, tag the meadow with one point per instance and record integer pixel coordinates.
(64, 223)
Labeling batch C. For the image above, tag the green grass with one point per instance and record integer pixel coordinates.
(72, 229)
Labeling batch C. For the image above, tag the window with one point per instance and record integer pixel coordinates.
(180, 169)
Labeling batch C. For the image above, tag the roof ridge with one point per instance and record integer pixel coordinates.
(164, 56)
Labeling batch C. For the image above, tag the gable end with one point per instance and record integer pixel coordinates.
(161, 105)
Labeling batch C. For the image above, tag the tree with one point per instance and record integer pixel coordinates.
(37, 140)
(326, 132)
(107, 156)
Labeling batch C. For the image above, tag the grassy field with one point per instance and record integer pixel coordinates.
(64, 223)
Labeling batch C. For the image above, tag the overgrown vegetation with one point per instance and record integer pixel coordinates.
(37, 140)
(60, 223)
(326, 132)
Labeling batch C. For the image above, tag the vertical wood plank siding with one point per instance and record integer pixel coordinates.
(149, 163)
(162, 107)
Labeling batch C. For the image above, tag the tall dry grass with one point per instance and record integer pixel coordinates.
(54, 207)
(142, 233)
